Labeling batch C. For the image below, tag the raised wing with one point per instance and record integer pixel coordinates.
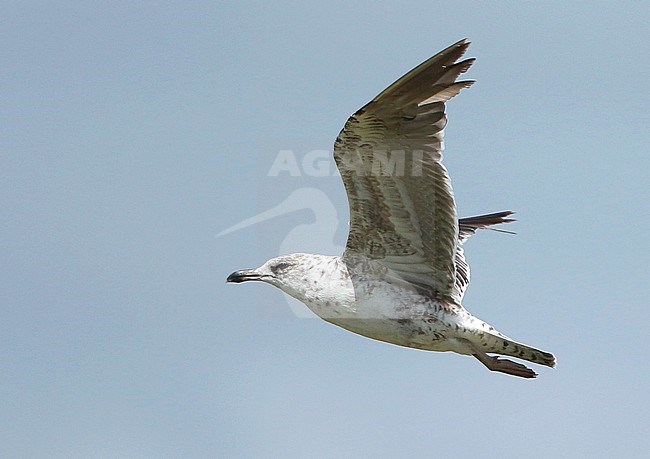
(402, 209)
(467, 227)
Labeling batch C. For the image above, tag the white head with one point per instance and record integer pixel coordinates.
(290, 273)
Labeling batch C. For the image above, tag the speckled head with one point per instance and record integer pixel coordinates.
(287, 272)
(269, 270)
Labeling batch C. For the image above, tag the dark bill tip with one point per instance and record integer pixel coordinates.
(243, 276)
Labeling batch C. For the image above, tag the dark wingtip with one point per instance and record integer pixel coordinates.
(483, 221)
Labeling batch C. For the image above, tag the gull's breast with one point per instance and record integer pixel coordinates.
(386, 312)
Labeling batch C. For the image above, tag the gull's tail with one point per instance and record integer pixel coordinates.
(495, 343)
(522, 351)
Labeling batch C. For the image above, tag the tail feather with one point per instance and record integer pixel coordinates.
(505, 346)
(495, 343)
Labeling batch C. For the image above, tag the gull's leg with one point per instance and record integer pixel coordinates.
(505, 366)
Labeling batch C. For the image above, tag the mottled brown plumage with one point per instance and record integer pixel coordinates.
(405, 217)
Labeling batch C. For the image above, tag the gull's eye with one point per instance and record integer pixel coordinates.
(279, 267)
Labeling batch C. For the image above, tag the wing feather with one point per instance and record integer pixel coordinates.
(402, 209)
(468, 226)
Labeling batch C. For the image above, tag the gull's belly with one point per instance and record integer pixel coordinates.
(401, 317)
(429, 334)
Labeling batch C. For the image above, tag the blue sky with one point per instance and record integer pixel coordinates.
(132, 133)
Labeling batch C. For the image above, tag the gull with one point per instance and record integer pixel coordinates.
(403, 273)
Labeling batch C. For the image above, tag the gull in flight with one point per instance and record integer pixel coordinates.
(403, 274)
